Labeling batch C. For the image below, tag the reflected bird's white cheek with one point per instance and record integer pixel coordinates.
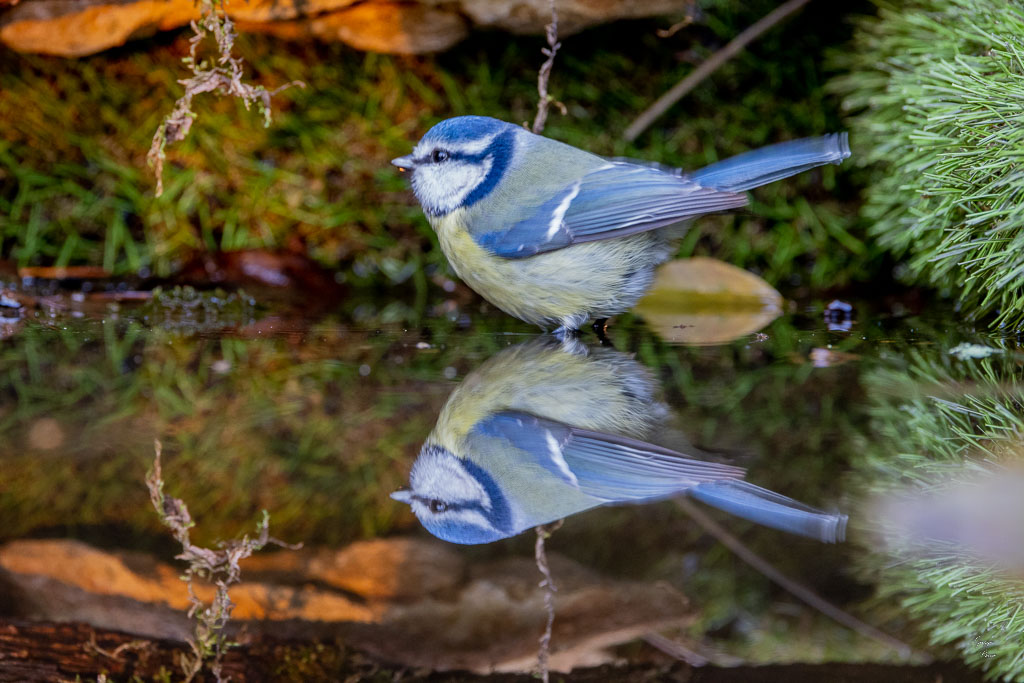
(443, 477)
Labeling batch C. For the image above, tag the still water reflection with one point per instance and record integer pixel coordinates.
(544, 430)
(319, 420)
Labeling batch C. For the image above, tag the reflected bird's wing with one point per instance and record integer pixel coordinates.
(611, 468)
(619, 469)
(743, 499)
(614, 200)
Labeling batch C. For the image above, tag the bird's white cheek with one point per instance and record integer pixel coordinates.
(442, 188)
(472, 518)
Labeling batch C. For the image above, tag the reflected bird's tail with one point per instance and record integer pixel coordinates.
(745, 500)
(774, 162)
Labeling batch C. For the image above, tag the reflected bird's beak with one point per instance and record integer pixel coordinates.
(402, 496)
(406, 163)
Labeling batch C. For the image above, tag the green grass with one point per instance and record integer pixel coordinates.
(936, 89)
(75, 189)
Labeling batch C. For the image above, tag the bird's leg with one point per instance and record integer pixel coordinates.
(601, 330)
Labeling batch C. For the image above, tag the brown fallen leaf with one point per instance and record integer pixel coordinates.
(400, 569)
(411, 601)
(64, 272)
(72, 564)
(706, 301)
(290, 272)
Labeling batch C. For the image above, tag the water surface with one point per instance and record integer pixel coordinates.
(318, 418)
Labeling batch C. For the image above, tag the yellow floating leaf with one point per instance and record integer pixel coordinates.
(706, 301)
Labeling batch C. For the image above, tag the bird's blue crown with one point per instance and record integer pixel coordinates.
(475, 140)
(465, 129)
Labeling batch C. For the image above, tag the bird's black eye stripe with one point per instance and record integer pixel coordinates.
(436, 505)
(439, 155)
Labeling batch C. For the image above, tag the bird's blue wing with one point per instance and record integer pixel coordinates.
(774, 162)
(607, 467)
(748, 501)
(761, 166)
(613, 200)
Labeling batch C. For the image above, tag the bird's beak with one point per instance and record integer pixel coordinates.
(405, 163)
(402, 496)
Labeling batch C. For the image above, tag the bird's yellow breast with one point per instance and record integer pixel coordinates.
(593, 279)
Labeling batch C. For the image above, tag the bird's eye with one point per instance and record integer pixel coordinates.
(438, 506)
(438, 155)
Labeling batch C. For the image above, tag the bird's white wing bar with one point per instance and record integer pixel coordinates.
(614, 200)
(606, 466)
(558, 215)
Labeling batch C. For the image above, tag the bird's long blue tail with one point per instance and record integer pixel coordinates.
(745, 500)
(774, 162)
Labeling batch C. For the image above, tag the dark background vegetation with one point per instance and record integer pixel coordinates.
(75, 188)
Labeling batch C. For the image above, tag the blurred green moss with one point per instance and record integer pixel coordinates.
(935, 88)
(74, 187)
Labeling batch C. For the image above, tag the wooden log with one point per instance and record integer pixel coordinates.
(46, 651)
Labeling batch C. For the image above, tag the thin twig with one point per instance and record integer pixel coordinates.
(674, 648)
(545, 73)
(115, 654)
(797, 590)
(545, 531)
(548, 584)
(708, 67)
(691, 14)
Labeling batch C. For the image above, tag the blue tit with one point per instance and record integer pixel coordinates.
(555, 235)
(541, 431)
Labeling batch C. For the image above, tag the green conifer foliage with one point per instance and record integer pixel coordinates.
(937, 422)
(937, 92)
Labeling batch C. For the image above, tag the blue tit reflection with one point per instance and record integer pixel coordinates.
(542, 431)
